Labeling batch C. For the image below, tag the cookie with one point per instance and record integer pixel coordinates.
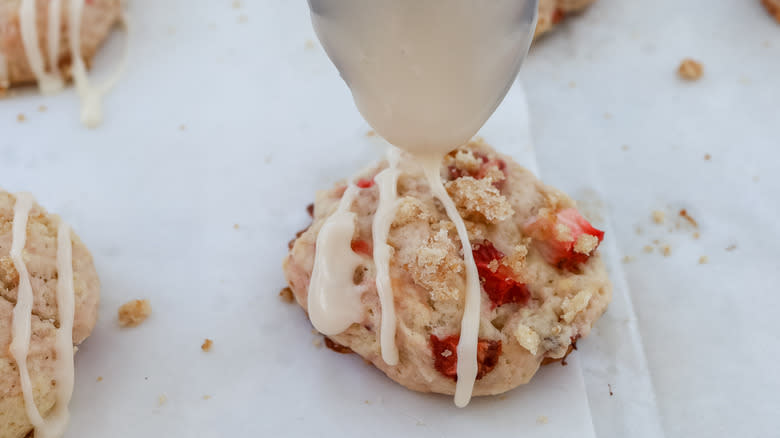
(40, 259)
(773, 7)
(551, 12)
(97, 20)
(543, 282)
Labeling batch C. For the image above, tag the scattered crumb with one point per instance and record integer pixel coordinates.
(162, 399)
(684, 214)
(236, 4)
(707, 157)
(696, 235)
(628, 259)
(624, 147)
(308, 44)
(656, 242)
(731, 247)
(99, 379)
(648, 249)
(268, 159)
(243, 18)
(42, 108)
(703, 260)
(542, 419)
(756, 178)
(502, 397)
(314, 332)
(206, 346)
(658, 216)
(608, 116)
(317, 342)
(367, 402)
(690, 70)
(370, 133)
(21, 118)
(182, 127)
(610, 390)
(766, 44)
(206, 397)
(286, 295)
(572, 84)
(638, 230)
(666, 250)
(236, 226)
(134, 313)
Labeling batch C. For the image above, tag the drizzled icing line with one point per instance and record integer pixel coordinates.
(21, 330)
(386, 181)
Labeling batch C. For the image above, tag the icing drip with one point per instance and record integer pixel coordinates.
(387, 181)
(47, 82)
(334, 300)
(22, 315)
(55, 426)
(52, 81)
(469, 326)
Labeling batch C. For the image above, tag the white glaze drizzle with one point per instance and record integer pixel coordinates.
(54, 426)
(333, 299)
(51, 82)
(48, 83)
(22, 314)
(386, 182)
(469, 326)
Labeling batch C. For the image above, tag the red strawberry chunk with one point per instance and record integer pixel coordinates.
(563, 238)
(365, 183)
(445, 355)
(498, 279)
(362, 247)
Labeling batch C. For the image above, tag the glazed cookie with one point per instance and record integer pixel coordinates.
(97, 19)
(45, 254)
(551, 12)
(543, 283)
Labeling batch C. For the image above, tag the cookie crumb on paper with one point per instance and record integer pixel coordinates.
(286, 295)
(542, 419)
(133, 313)
(207, 344)
(690, 70)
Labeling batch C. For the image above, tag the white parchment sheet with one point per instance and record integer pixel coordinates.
(234, 116)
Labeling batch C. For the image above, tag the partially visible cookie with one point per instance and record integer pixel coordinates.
(97, 20)
(40, 256)
(551, 12)
(773, 6)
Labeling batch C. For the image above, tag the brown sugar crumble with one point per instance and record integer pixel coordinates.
(690, 70)
(207, 344)
(21, 118)
(286, 295)
(134, 313)
(666, 250)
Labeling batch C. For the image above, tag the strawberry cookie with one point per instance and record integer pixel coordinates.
(543, 282)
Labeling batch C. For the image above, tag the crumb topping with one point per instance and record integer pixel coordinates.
(571, 307)
(479, 196)
(435, 264)
(527, 338)
(586, 243)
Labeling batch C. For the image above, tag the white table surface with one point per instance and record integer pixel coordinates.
(688, 349)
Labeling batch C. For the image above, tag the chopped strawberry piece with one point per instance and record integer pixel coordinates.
(365, 183)
(558, 15)
(565, 239)
(497, 280)
(445, 355)
(362, 247)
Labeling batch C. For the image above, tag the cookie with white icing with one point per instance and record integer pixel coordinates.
(543, 283)
(97, 19)
(44, 255)
(551, 12)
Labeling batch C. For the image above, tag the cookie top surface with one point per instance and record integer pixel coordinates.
(543, 280)
(40, 257)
